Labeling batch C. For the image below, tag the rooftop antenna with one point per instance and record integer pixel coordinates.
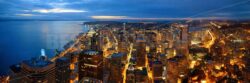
(43, 55)
(43, 52)
(124, 27)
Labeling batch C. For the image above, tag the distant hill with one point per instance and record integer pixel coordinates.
(102, 22)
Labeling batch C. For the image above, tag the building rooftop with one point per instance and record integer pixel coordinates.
(163, 55)
(91, 32)
(90, 80)
(15, 68)
(141, 72)
(63, 59)
(140, 39)
(159, 81)
(176, 58)
(91, 52)
(117, 55)
(157, 62)
(37, 63)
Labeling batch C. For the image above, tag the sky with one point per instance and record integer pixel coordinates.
(124, 9)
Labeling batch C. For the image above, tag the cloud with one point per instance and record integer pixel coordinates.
(26, 15)
(58, 10)
(121, 9)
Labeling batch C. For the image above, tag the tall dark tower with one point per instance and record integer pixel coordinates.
(94, 42)
(122, 40)
(90, 65)
(141, 52)
(124, 27)
(117, 67)
(63, 70)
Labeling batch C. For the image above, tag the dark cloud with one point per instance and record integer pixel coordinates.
(130, 8)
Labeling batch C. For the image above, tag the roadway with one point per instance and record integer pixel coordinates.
(124, 73)
(70, 49)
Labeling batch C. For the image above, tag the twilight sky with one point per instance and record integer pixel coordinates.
(123, 9)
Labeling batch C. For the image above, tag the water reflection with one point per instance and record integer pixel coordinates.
(21, 40)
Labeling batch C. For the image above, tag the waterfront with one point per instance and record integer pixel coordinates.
(125, 52)
(22, 40)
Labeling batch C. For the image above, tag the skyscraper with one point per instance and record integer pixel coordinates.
(141, 52)
(117, 65)
(90, 65)
(63, 70)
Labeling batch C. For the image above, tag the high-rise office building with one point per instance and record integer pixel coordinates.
(141, 52)
(157, 69)
(117, 65)
(90, 65)
(130, 77)
(141, 76)
(63, 70)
